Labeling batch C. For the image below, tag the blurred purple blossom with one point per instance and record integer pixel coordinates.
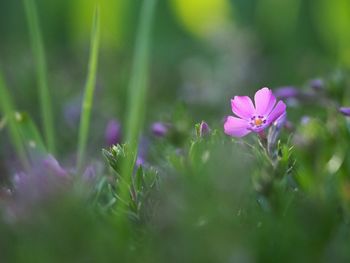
(45, 168)
(305, 120)
(140, 161)
(113, 133)
(317, 84)
(52, 166)
(286, 92)
(71, 111)
(143, 152)
(345, 111)
(204, 129)
(42, 183)
(160, 129)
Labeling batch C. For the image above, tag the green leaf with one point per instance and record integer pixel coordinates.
(41, 69)
(7, 109)
(89, 90)
(30, 135)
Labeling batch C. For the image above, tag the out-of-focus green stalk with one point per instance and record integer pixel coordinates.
(89, 89)
(137, 91)
(39, 54)
(8, 111)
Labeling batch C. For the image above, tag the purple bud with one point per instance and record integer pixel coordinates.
(52, 166)
(113, 133)
(345, 111)
(317, 84)
(160, 129)
(140, 161)
(204, 129)
(143, 152)
(286, 92)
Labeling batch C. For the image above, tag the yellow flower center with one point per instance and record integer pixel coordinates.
(258, 122)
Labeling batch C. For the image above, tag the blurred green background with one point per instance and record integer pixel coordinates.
(203, 52)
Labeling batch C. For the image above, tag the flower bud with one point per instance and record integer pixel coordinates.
(113, 133)
(286, 92)
(317, 84)
(204, 129)
(160, 129)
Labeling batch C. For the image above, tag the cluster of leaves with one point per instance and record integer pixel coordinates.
(205, 197)
(143, 182)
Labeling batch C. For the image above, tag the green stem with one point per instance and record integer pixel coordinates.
(41, 68)
(8, 111)
(89, 90)
(137, 91)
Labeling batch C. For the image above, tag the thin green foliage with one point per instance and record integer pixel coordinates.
(41, 68)
(137, 91)
(89, 89)
(8, 111)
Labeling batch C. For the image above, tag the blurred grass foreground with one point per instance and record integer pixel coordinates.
(114, 136)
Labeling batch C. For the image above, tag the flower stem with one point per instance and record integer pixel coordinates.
(137, 91)
(7, 108)
(263, 138)
(41, 68)
(89, 90)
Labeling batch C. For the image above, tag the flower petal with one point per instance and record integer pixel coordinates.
(264, 101)
(243, 107)
(277, 112)
(236, 127)
(345, 111)
(280, 121)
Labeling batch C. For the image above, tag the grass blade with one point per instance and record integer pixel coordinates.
(89, 89)
(137, 91)
(39, 54)
(8, 111)
(31, 137)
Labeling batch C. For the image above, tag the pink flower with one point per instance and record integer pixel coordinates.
(253, 118)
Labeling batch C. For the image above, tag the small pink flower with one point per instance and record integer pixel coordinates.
(253, 118)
